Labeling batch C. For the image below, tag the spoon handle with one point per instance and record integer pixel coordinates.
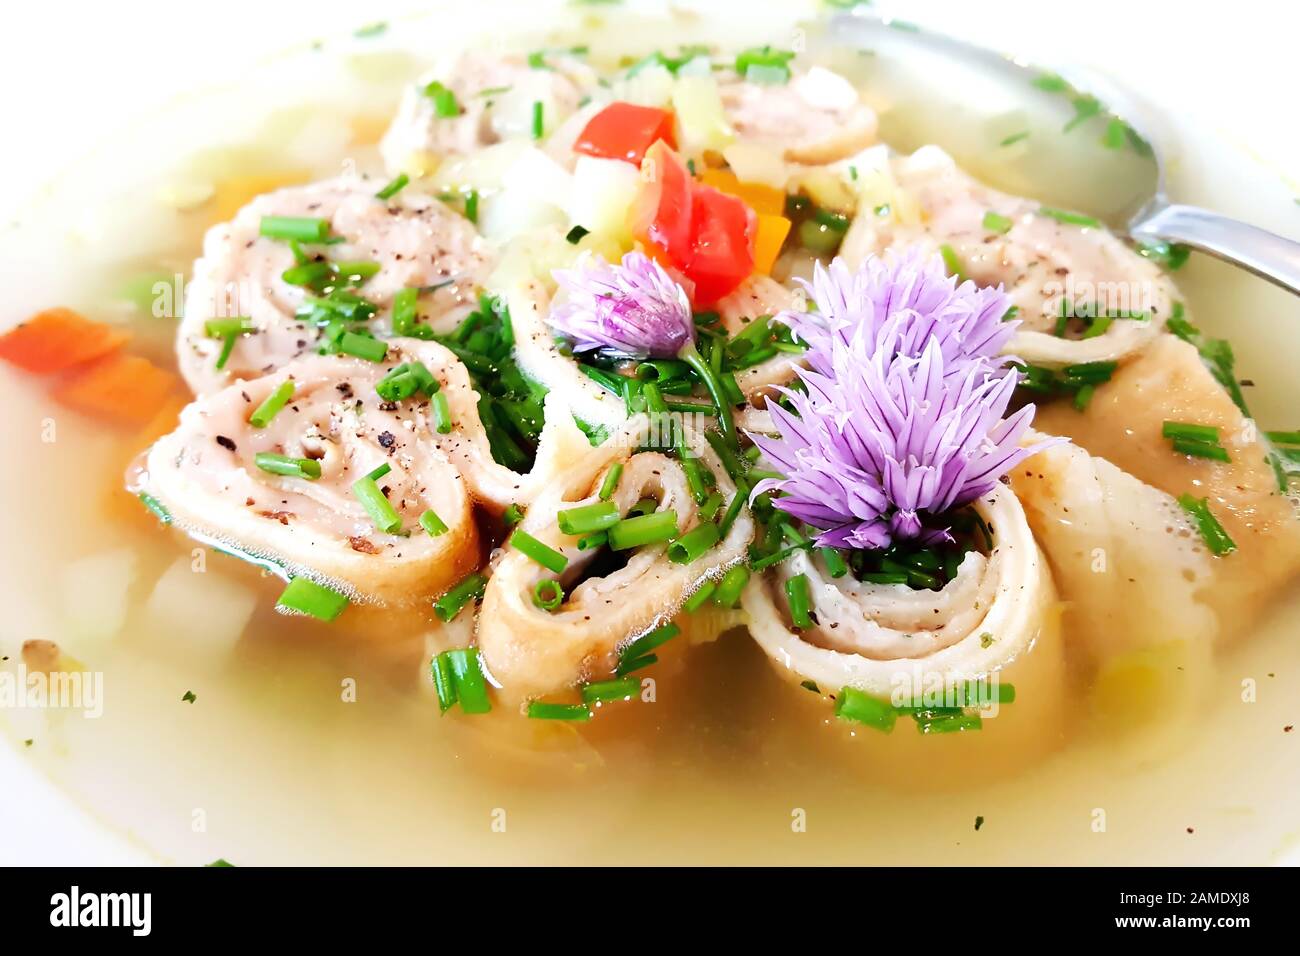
(1269, 256)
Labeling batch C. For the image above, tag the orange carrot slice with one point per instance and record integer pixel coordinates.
(126, 389)
(58, 339)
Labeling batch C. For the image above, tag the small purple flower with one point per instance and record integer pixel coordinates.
(884, 445)
(903, 301)
(635, 309)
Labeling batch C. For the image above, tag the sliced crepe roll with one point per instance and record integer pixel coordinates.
(408, 241)
(995, 621)
(532, 651)
(324, 428)
(1049, 261)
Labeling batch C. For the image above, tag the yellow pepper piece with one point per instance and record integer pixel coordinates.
(768, 240)
(764, 200)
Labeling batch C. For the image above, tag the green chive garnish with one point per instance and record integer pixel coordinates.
(610, 484)
(701, 595)
(941, 722)
(594, 517)
(590, 542)
(610, 690)
(643, 530)
(798, 595)
(445, 104)
(271, 405)
(641, 648)
(404, 311)
(471, 206)
(363, 347)
(1069, 218)
(444, 682)
(512, 515)
(854, 705)
(394, 187)
(441, 413)
(952, 262)
(694, 543)
(451, 603)
(431, 523)
(575, 235)
(157, 507)
(227, 347)
(284, 465)
(546, 556)
(834, 562)
(731, 586)
(539, 118)
(732, 513)
(297, 228)
(548, 594)
(404, 381)
(995, 222)
(471, 688)
(540, 710)
(223, 328)
(1216, 539)
(307, 597)
(379, 471)
(377, 505)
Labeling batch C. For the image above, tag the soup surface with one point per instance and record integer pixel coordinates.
(222, 729)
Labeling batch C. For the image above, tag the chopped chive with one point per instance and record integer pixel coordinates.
(540, 710)
(431, 523)
(605, 691)
(776, 557)
(512, 515)
(157, 507)
(952, 262)
(731, 586)
(1201, 449)
(539, 118)
(1014, 138)
(222, 328)
(1216, 539)
(1069, 218)
(1206, 433)
(643, 645)
(694, 543)
(598, 516)
(377, 505)
(1097, 326)
(798, 595)
(308, 274)
(307, 597)
(610, 484)
(404, 381)
(441, 413)
(590, 542)
(227, 347)
(944, 723)
(363, 347)
(542, 554)
(284, 465)
(576, 234)
(471, 688)
(548, 594)
(1283, 438)
(471, 206)
(995, 222)
(271, 405)
(834, 562)
(637, 664)
(379, 471)
(356, 273)
(1084, 396)
(297, 228)
(444, 682)
(404, 311)
(884, 577)
(643, 530)
(711, 506)
(451, 603)
(394, 187)
(732, 513)
(714, 385)
(445, 104)
(854, 705)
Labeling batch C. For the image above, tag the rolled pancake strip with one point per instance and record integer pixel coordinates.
(1133, 575)
(997, 619)
(1123, 423)
(204, 474)
(416, 240)
(532, 652)
(1038, 260)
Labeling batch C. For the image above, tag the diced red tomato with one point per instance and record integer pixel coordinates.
(722, 253)
(626, 131)
(705, 235)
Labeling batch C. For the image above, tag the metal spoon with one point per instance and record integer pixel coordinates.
(1045, 141)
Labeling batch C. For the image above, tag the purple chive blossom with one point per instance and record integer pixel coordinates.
(635, 309)
(903, 301)
(884, 446)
